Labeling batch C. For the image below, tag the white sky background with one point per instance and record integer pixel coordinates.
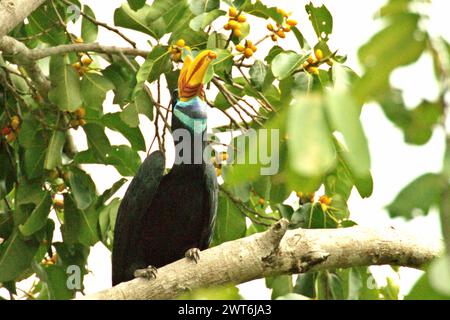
(394, 164)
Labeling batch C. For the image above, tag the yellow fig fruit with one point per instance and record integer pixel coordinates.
(248, 52)
(181, 43)
(232, 12)
(86, 60)
(240, 48)
(319, 54)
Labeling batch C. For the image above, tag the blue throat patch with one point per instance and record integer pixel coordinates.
(192, 114)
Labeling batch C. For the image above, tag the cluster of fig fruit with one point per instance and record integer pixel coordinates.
(280, 30)
(235, 21)
(11, 130)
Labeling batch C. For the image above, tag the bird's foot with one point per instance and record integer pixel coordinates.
(193, 254)
(147, 273)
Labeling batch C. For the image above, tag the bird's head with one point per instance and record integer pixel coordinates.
(192, 75)
(189, 106)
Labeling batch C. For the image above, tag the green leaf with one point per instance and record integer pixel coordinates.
(65, 91)
(55, 279)
(107, 220)
(15, 256)
(53, 157)
(280, 285)
(321, 20)
(285, 63)
(418, 197)
(31, 134)
(134, 135)
(33, 159)
(258, 73)
(399, 44)
(94, 88)
(130, 116)
(434, 284)
(311, 151)
(223, 63)
(157, 63)
(230, 222)
(38, 217)
(124, 81)
(203, 20)
(125, 160)
(126, 17)
(82, 188)
(107, 194)
(89, 30)
(304, 285)
(200, 6)
(136, 4)
(258, 9)
(80, 226)
(343, 113)
(97, 140)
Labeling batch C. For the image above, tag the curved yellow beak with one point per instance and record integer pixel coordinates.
(192, 75)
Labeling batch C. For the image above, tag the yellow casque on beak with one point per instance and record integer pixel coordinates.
(192, 75)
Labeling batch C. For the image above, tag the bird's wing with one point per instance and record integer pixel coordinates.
(212, 189)
(137, 199)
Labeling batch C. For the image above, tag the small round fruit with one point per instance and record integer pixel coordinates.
(319, 54)
(241, 18)
(224, 156)
(11, 137)
(310, 59)
(77, 65)
(82, 122)
(274, 37)
(176, 57)
(6, 131)
(248, 43)
(291, 22)
(234, 24)
(281, 11)
(232, 12)
(86, 60)
(261, 201)
(237, 32)
(181, 43)
(79, 40)
(254, 48)
(227, 26)
(299, 194)
(240, 48)
(281, 34)
(287, 29)
(325, 200)
(80, 112)
(248, 52)
(313, 70)
(270, 27)
(15, 122)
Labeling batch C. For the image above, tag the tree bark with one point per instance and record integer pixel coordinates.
(13, 12)
(279, 251)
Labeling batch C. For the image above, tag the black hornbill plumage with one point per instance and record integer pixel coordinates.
(163, 216)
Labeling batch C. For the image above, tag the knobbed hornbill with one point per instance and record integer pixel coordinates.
(162, 218)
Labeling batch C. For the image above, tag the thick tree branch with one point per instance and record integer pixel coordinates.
(279, 251)
(19, 53)
(13, 12)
